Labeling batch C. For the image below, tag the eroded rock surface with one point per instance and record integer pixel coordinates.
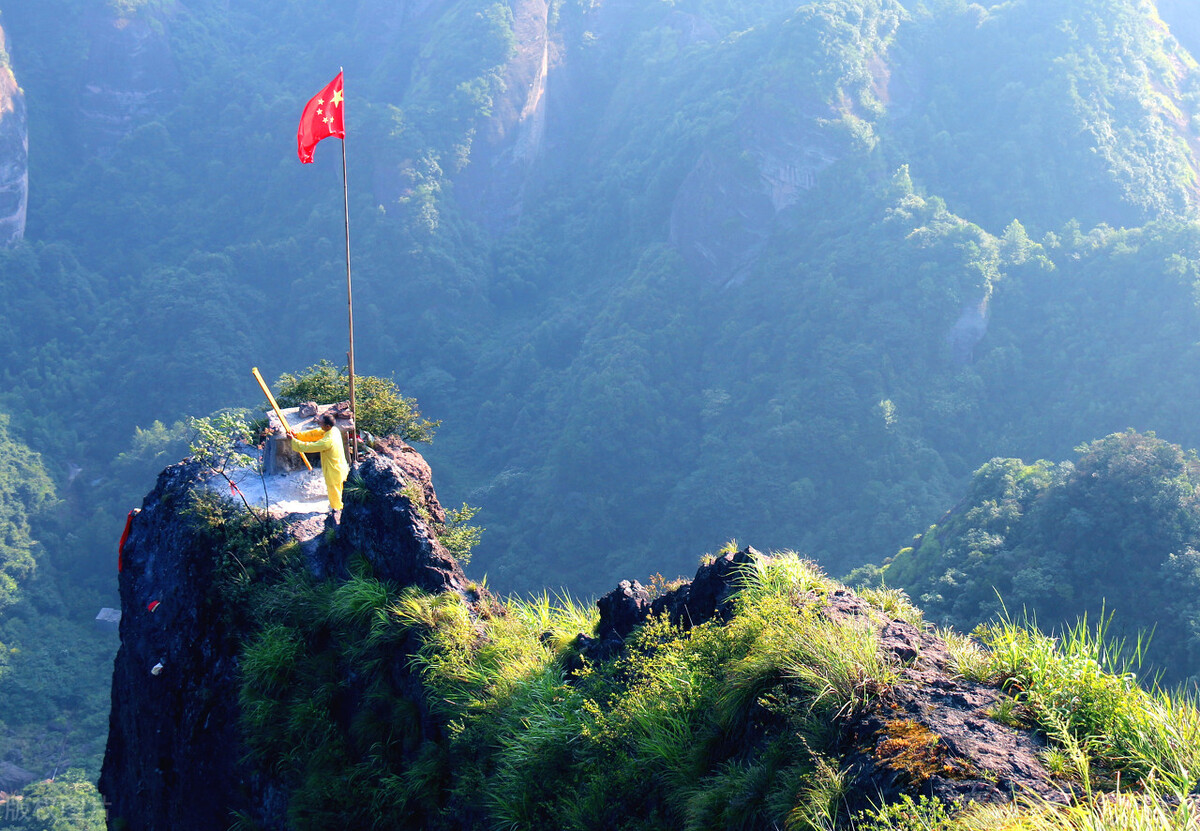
(14, 152)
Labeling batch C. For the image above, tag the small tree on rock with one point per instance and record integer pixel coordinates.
(381, 409)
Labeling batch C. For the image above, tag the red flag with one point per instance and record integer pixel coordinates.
(121, 544)
(323, 117)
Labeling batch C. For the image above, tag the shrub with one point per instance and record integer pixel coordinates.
(381, 409)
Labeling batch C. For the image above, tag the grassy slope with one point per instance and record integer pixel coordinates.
(728, 725)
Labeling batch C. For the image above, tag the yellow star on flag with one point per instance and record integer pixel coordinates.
(337, 97)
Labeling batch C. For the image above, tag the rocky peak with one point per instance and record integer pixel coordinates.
(932, 732)
(175, 756)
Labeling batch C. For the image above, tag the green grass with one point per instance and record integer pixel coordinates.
(1082, 692)
(1113, 812)
(726, 725)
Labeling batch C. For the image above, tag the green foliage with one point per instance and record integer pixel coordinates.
(459, 536)
(654, 738)
(68, 803)
(152, 449)
(615, 395)
(382, 410)
(25, 492)
(907, 814)
(1118, 527)
(1081, 692)
(127, 8)
(1123, 811)
(723, 726)
(216, 441)
(1126, 92)
(250, 551)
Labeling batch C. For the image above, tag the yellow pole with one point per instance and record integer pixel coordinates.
(278, 412)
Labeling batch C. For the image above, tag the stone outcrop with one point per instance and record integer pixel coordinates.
(931, 733)
(390, 518)
(13, 777)
(175, 758)
(14, 152)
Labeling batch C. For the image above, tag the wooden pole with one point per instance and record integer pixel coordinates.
(278, 412)
(349, 291)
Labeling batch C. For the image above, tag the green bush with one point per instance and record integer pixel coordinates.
(381, 409)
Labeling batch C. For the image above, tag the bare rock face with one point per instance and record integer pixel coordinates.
(14, 152)
(969, 329)
(13, 778)
(390, 517)
(130, 77)
(725, 209)
(172, 759)
(709, 594)
(413, 468)
(511, 140)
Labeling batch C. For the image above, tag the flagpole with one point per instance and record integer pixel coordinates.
(349, 294)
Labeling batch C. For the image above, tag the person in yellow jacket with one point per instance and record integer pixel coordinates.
(326, 440)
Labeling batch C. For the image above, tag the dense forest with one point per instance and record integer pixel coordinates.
(1116, 528)
(667, 273)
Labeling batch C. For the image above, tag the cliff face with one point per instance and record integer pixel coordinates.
(510, 141)
(173, 748)
(176, 757)
(130, 76)
(14, 151)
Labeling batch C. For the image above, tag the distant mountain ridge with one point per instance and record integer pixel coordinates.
(782, 272)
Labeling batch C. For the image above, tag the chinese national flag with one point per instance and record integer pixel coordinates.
(323, 117)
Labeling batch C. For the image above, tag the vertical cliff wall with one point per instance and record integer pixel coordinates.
(190, 568)
(130, 76)
(14, 151)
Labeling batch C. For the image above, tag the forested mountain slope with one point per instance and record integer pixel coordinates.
(654, 266)
(1109, 537)
(668, 273)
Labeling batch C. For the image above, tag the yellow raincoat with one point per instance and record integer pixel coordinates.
(333, 459)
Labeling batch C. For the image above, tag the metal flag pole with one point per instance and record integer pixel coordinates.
(349, 288)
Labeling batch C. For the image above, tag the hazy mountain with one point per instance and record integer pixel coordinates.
(669, 274)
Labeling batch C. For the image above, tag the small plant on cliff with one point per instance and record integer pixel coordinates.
(459, 536)
(382, 410)
(216, 444)
(907, 814)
